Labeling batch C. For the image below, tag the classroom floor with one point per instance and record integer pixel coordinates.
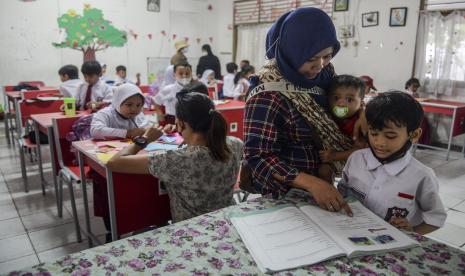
(31, 232)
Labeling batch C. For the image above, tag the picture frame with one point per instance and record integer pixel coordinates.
(153, 5)
(370, 19)
(398, 17)
(341, 5)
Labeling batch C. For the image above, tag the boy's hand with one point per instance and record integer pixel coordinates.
(169, 129)
(326, 155)
(135, 132)
(153, 133)
(401, 223)
(361, 126)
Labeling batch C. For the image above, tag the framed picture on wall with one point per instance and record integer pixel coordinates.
(153, 5)
(341, 5)
(370, 19)
(398, 17)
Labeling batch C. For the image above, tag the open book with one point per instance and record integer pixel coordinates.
(289, 236)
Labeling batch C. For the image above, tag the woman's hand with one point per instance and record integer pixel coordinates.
(153, 133)
(325, 194)
(326, 155)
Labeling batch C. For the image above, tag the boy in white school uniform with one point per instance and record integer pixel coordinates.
(95, 94)
(385, 177)
(121, 76)
(71, 84)
(167, 96)
(228, 80)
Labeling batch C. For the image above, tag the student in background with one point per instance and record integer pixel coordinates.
(208, 78)
(386, 178)
(411, 87)
(208, 61)
(168, 78)
(241, 82)
(200, 177)
(104, 72)
(182, 47)
(228, 80)
(123, 118)
(244, 63)
(345, 99)
(94, 94)
(71, 84)
(167, 95)
(122, 76)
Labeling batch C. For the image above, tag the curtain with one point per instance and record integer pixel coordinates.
(251, 43)
(440, 52)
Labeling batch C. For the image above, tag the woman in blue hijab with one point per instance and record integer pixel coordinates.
(286, 122)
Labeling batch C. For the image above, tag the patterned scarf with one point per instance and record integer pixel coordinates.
(327, 132)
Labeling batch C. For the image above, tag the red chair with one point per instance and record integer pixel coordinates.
(144, 88)
(32, 83)
(24, 110)
(69, 171)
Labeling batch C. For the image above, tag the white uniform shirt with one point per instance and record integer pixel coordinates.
(239, 87)
(228, 85)
(167, 97)
(108, 122)
(403, 188)
(119, 81)
(169, 77)
(101, 92)
(71, 88)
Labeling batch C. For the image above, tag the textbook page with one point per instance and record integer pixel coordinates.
(283, 238)
(363, 234)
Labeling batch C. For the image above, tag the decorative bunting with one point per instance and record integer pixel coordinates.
(186, 39)
(149, 36)
(163, 33)
(174, 36)
(198, 40)
(210, 39)
(210, 7)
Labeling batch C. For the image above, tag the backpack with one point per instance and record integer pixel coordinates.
(80, 129)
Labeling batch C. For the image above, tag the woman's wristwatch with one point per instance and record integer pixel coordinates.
(140, 141)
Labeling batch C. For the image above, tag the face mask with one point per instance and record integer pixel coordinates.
(185, 50)
(340, 111)
(396, 155)
(184, 81)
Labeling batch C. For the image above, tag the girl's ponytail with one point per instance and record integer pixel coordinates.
(216, 137)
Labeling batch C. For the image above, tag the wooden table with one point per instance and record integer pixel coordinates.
(456, 110)
(135, 201)
(210, 245)
(43, 124)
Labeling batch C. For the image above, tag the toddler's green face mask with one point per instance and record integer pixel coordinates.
(340, 111)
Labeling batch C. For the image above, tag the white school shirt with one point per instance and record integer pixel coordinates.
(167, 97)
(239, 87)
(119, 81)
(228, 85)
(101, 92)
(71, 88)
(169, 77)
(108, 122)
(403, 188)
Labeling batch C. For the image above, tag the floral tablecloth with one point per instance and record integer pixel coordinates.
(209, 245)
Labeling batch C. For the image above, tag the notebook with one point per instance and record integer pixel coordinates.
(290, 236)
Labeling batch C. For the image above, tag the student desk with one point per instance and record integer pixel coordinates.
(233, 112)
(43, 124)
(447, 108)
(135, 201)
(209, 245)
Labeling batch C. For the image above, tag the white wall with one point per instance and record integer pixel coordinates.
(385, 53)
(29, 28)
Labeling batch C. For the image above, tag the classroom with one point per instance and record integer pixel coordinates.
(232, 137)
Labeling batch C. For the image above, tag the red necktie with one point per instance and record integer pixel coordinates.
(88, 95)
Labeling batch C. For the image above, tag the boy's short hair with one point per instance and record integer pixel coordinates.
(347, 81)
(91, 68)
(394, 106)
(182, 63)
(70, 70)
(198, 87)
(120, 68)
(231, 67)
(246, 61)
(412, 81)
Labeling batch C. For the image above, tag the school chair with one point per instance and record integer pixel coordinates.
(32, 83)
(24, 110)
(69, 169)
(9, 113)
(144, 89)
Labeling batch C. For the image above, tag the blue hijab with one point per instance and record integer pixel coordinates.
(295, 38)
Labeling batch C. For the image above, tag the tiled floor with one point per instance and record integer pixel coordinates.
(31, 232)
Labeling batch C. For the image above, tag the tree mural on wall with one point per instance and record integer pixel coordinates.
(89, 32)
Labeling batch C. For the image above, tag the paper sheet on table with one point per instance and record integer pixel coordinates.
(104, 157)
(115, 144)
(168, 139)
(160, 146)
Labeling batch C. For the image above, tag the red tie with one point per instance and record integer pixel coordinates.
(88, 95)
